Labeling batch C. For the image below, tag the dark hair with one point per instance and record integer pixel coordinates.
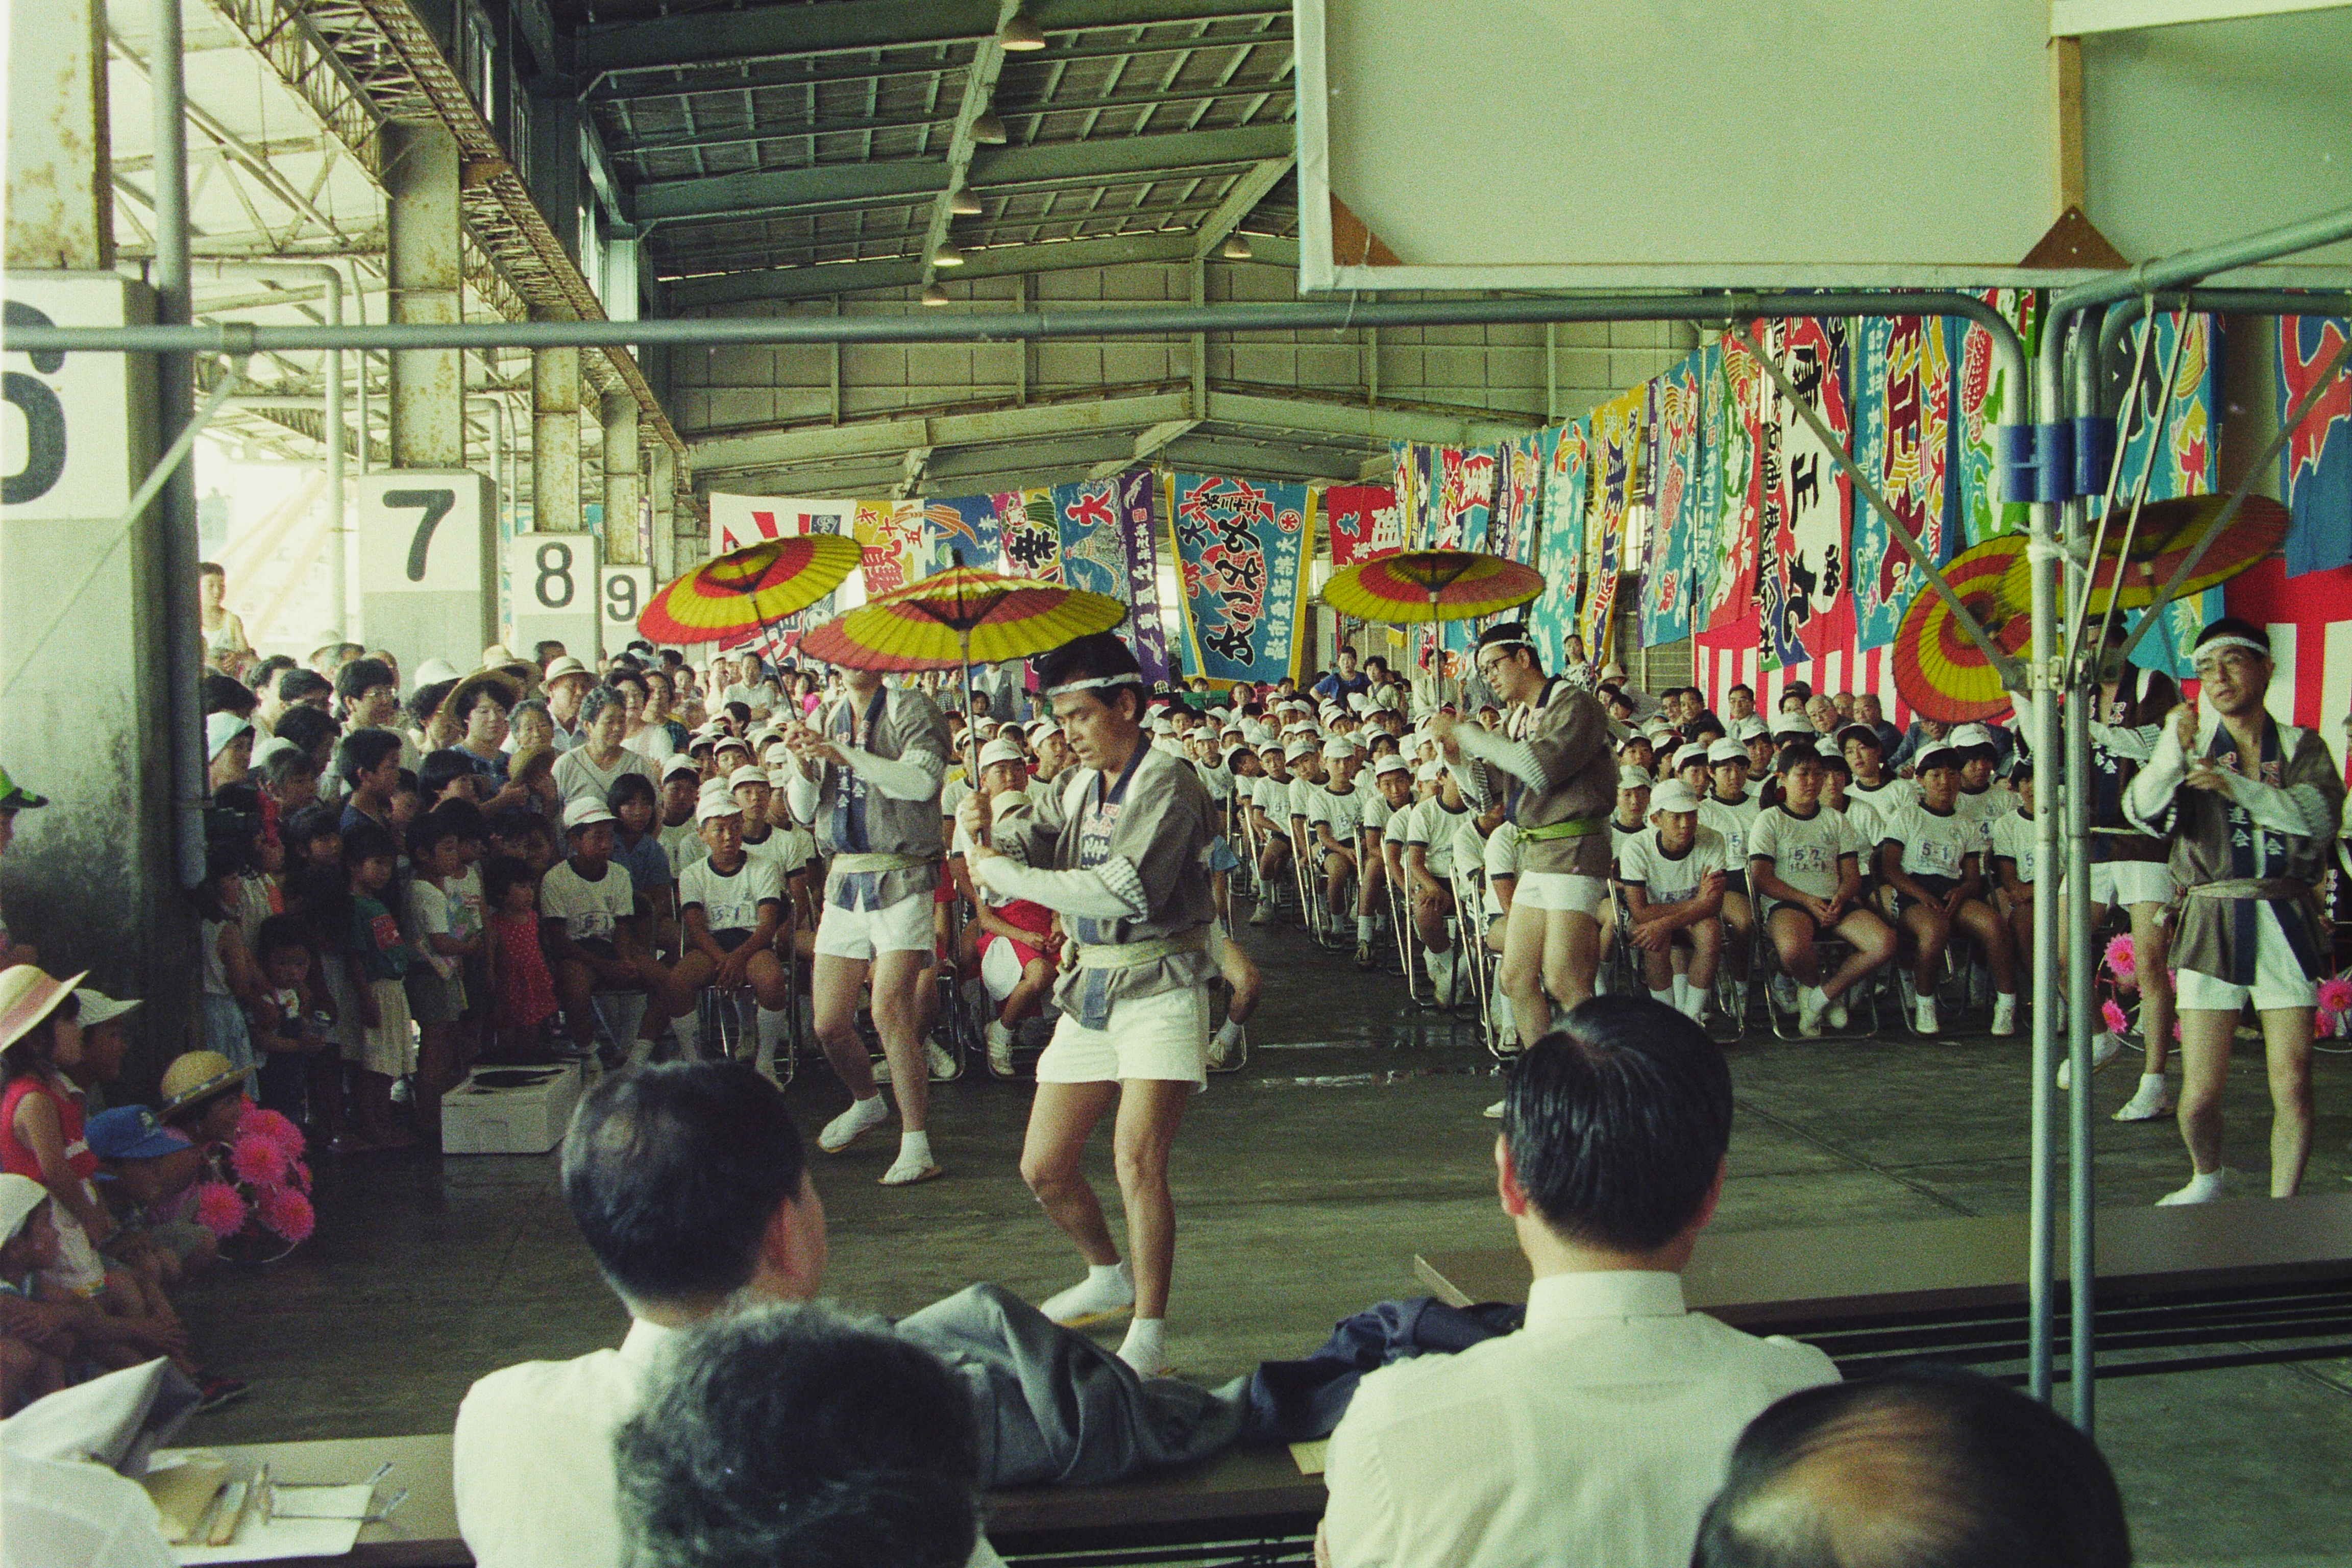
(1703, 726)
(1101, 657)
(464, 818)
(1617, 1123)
(517, 822)
(360, 675)
(34, 1052)
(1931, 1467)
(500, 875)
(295, 684)
(364, 841)
(426, 832)
(312, 821)
(278, 933)
(441, 768)
(222, 858)
(211, 569)
(223, 694)
(627, 787)
(1739, 685)
(1794, 752)
(261, 676)
(673, 1173)
(627, 675)
(364, 750)
(544, 649)
(2148, 696)
(797, 1434)
(307, 728)
(425, 701)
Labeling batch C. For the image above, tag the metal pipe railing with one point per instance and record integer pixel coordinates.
(2194, 266)
(242, 338)
(172, 279)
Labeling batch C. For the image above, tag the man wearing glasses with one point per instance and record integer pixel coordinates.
(2251, 807)
(1555, 750)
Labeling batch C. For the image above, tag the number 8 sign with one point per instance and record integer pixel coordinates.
(624, 592)
(551, 578)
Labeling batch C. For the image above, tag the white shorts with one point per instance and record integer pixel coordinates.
(1162, 1036)
(2129, 882)
(2279, 979)
(1000, 969)
(902, 927)
(1561, 891)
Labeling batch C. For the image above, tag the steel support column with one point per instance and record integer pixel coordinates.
(425, 261)
(661, 481)
(555, 441)
(625, 482)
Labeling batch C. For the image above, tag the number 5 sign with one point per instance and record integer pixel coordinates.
(626, 591)
(552, 580)
(427, 560)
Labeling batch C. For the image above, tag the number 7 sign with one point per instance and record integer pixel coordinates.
(428, 564)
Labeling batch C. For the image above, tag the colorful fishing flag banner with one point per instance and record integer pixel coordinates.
(2316, 469)
(1241, 546)
(1565, 455)
(1677, 453)
(2184, 465)
(967, 530)
(1808, 500)
(1617, 485)
(1985, 401)
(738, 520)
(1141, 532)
(1733, 407)
(1363, 521)
(890, 533)
(1903, 440)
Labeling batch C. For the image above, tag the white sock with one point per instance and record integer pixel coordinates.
(2204, 1182)
(1109, 1274)
(998, 1029)
(1229, 1033)
(689, 1035)
(771, 1035)
(1364, 928)
(1145, 1348)
(1666, 997)
(914, 1148)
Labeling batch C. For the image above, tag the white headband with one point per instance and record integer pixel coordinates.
(1094, 683)
(2217, 644)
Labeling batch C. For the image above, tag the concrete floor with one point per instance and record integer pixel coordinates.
(1304, 1186)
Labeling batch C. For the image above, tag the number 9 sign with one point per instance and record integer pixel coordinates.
(552, 581)
(622, 595)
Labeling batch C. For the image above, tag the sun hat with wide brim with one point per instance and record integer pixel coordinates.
(97, 1007)
(19, 1196)
(507, 689)
(28, 995)
(196, 1077)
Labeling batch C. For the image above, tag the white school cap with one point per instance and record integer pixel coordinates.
(680, 763)
(1673, 795)
(1297, 749)
(997, 751)
(1339, 746)
(1726, 751)
(584, 813)
(1392, 764)
(714, 805)
(1632, 778)
(744, 776)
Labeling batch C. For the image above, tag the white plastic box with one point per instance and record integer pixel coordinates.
(509, 1110)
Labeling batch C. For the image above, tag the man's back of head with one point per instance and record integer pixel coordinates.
(1933, 1467)
(679, 1177)
(794, 1435)
(1616, 1124)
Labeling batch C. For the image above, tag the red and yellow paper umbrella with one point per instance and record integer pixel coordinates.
(953, 617)
(1417, 585)
(1941, 671)
(745, 590)
(2169, 531)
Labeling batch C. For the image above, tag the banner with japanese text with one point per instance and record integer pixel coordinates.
(1808, 500)
(1137, 492)
(1241, 546)
(890, 536)
(1565, 452)
(1365, 521)
(2316, 469)
(1678, 453)
(738, 520)
(1619, 431)
(1902, 441)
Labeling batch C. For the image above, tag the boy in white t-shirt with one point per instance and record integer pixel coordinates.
(1729, 807)
(2014, 861)
(1269, 812)
(588, 924)
(1675, 874)
(730, 913)
(1429, 838)
(1933, 860)
(1334, 810)
(1805, 861)
(1390, 792)
(1874, 785)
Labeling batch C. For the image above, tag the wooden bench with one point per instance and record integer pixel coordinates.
(1244, 1495)
(2198, 1275)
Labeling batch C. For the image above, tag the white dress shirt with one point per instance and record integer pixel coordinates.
(1596, 1434)
(532, 1459)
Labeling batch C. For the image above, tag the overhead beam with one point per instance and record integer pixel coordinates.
(1239, 202)
(1146, 445)
(1331, 417)
(780, 32)
(858, 276)
(774, 190)
(978, 91)
(894, 436)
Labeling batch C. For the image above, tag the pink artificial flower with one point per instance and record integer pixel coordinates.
(2335, 995)
(297, 1175)
(219, 1209)
(2118, 1022)
(288, 1213)
(2121, 963)
(258, 1161)
(271, 1127)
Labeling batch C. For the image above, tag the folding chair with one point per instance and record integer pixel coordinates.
(1830, 952)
